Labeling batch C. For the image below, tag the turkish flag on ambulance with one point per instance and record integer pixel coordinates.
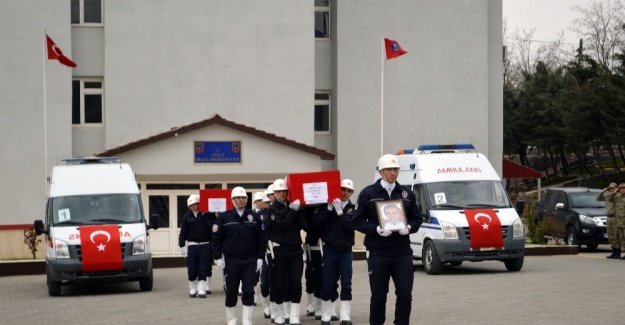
(101, 248)
(485, 228)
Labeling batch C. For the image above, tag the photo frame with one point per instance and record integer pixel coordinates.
(391, 215)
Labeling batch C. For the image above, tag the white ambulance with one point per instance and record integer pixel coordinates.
(94, 225)
(467, 215)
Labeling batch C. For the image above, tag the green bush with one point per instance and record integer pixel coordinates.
(535, 228)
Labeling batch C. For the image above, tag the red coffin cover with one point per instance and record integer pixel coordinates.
(205, 195)
(318, 187)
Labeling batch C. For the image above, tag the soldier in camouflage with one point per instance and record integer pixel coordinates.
(611, 228)
(618, 199)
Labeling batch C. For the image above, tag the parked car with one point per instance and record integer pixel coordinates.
(578, 210)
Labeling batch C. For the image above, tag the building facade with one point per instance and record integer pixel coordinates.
(300, 85)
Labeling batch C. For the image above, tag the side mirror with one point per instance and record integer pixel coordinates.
(154, 220)
(39, 228)
(520, 207)
(559, 206)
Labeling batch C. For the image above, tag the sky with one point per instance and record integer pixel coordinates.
(548, 17)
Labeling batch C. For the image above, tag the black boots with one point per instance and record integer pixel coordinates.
(613, 253)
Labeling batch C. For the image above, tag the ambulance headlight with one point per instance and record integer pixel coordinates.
(517, 228)
(449, 230)
(61, 249)
(138, 245)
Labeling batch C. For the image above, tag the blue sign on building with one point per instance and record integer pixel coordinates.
(207, 152)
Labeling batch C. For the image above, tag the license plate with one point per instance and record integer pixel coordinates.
(487, 248)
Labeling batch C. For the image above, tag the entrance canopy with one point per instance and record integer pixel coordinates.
(513, 170)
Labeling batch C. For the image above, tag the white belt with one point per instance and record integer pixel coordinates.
(191, 243)
(315, 248)
(275, 244)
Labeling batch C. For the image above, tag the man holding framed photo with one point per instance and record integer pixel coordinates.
(389, 252)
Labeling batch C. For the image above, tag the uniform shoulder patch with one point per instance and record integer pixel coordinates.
(404, 194)
(273, 217)
(215, 228)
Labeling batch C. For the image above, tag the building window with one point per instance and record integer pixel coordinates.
(322, 111)
(322, 19)
(86, 12)
(87, 101)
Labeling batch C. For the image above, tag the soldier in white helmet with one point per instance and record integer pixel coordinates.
(390, 255)
(194, 242)
(266, 270)
(286, 246)
(239, 248)
(337, 234)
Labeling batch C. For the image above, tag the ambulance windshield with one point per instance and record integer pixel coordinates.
(467, 194)
(96, 209)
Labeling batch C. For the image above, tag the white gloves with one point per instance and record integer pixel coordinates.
(383, 232)
(405, 231)
(294, 205)
(183, 251)
(330, 206)
(259, 265)
(220, 263)
(338, 206)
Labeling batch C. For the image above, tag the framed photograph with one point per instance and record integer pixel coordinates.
(391, 215)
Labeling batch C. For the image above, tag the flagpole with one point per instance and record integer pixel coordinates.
(382, 100)
(45, 117)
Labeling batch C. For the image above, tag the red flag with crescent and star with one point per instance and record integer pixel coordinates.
(485, 228)
(101, 248)
(55, 53)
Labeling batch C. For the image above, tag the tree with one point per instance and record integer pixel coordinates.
(600, 28)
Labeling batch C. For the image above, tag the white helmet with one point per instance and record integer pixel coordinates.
(347, 183)
(270, 189)
(280, 185)
(238, 192)
(193, 199)
(258, 196)
(388, 161)
(265, 197)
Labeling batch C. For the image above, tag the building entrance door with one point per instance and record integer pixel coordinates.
(170, 205)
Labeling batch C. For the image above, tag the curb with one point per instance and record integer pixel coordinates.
(35, 267)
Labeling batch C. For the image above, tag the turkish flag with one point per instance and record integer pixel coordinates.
(393, 49)
(55, 53)
(101, 248)
(485, 228)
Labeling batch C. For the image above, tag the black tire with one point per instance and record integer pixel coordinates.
(592, 246)
(571, 238)
(455, 263)
(54, 287)
(514, 265)
(146, 283)
(431, 263)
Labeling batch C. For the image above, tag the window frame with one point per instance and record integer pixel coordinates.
(88, 91)
(81, 15)
(323, 9)
(320, 102)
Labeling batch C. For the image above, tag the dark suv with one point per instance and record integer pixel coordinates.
(579, 211)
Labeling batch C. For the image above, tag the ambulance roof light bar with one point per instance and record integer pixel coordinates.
(445, 148)
(92, 160)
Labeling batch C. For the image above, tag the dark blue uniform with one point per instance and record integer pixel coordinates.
(312, 247)
(389, 257)
(337, 235)
(286, 240)
(241, 241)
(197, 232)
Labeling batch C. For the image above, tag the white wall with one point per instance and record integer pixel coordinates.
(24, 167)
(439, 92)
(169, 64)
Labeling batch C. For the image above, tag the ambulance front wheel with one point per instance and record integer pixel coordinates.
(431, 263)
(146, 283)
(514, 265)
(54, 287)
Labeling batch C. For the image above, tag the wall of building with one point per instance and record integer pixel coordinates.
(439, 92)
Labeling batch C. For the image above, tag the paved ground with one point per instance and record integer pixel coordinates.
(563, 289)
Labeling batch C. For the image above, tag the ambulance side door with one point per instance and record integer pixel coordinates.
(421, 198)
